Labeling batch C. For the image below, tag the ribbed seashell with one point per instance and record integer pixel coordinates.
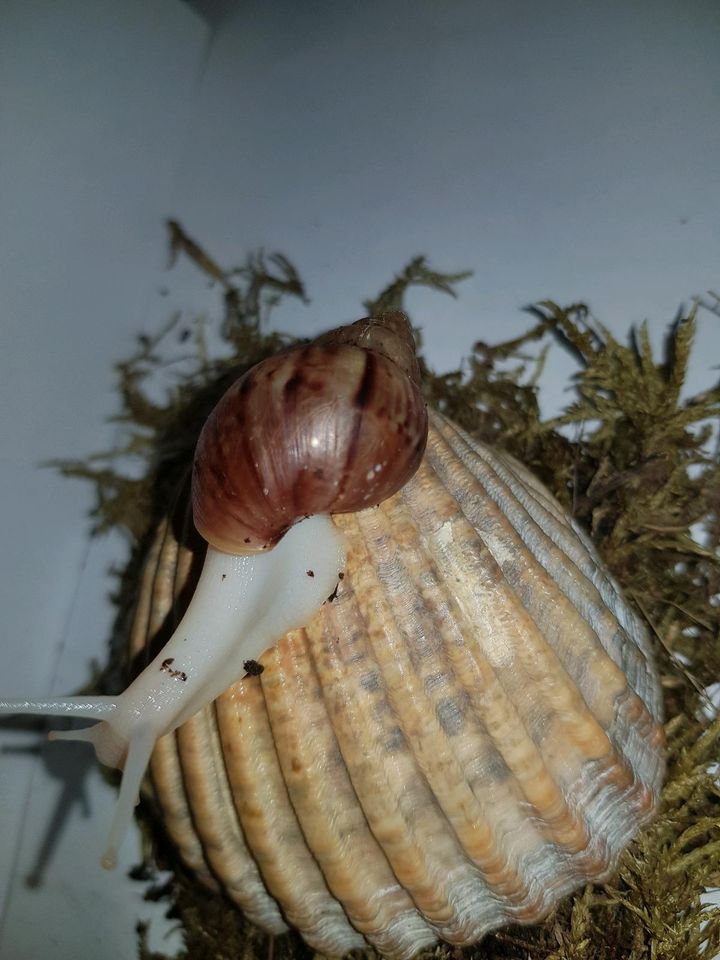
(469, 730)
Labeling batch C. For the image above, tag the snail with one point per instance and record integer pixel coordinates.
(460, 727)
(333, 426)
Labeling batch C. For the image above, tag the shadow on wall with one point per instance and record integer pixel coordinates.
(213, 12)
(67, 769)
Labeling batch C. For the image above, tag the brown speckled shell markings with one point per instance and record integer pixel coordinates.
(469, 731)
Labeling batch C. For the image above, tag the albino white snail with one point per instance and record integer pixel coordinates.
(334, 426)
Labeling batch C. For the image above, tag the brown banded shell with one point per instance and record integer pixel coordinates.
(467, 732)
(334, 426)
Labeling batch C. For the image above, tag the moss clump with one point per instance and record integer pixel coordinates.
(638, 474)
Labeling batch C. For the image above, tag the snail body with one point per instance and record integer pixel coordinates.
(272, 555)
(469, 730)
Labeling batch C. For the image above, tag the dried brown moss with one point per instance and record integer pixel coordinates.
(635, 469)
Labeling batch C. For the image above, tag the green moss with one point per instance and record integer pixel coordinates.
(637, 474)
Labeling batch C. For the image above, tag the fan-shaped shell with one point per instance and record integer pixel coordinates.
(469, 730)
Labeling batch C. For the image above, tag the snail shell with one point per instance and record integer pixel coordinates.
(330, 426)
(467, 732)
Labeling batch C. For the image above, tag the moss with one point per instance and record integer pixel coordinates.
(630, 459)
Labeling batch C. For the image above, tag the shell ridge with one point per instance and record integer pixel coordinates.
(633, 642)
(635, 733)
(331, 819)
(576, 852)
(360, 717)
(576, 546)
(632, 736)
(485, 675)
(273, 836)
(203, 772)
(534, 535)
(169, 793)
(379, 798)
(617, 755)
(430, 743)
(582, 552)
(376, 718)
(496, 535)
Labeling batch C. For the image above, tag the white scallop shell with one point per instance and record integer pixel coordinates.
(467, 732)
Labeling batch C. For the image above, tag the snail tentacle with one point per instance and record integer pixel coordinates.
(242, 605)
(86, 708)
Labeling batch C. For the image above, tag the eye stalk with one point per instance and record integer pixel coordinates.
(331, 427)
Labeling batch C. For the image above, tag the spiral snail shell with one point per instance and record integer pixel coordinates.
(331, 427)
(462, 725)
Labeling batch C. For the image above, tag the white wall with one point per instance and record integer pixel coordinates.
(558, 149)
(95, 97)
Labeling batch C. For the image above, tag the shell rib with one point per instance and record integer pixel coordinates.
(469, 731)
